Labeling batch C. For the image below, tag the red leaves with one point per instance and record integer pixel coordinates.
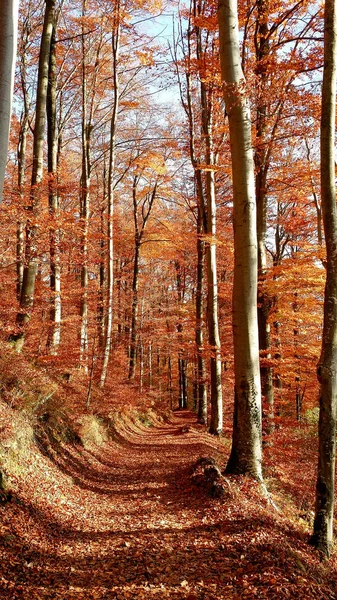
(122, 521)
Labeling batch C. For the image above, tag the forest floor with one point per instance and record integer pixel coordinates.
(124, 520)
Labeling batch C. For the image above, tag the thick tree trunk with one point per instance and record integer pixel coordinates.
(327, 368)
(31, 258)
(8, 28)
(54, 336)
(246, 453)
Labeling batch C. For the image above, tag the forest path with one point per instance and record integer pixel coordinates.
(124, 521)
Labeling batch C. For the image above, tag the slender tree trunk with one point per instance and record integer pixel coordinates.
(140, 226)
(212, 300)
(261, 166)
(84, 204)
(21, 154)
(8, 28)
(327, 368)
(20, 231)
(150, 364)
(246, 453)
(31, 258)
(102, 279)
(169, 375)
(182, 366)
(187, 104)
(216, 420)
(54, 335)
(112, 152)
(134, 310)
(199, 334)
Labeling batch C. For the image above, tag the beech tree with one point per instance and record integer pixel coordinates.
(8, 28)
(31, 258)
(327, 367)
(246, 453)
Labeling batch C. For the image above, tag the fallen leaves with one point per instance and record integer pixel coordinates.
(90, 523)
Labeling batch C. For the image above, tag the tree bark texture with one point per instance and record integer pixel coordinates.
(31, 258)
(8, 28)
(246, 453)
(327, 368)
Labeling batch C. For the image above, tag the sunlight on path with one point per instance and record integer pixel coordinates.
(124, 521)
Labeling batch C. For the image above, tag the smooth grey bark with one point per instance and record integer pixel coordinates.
(322, 537)
(31, 257)
(246, 452)
(8, 28)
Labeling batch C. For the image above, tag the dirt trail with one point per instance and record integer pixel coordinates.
(124, 521)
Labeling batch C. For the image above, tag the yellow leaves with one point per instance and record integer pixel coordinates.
(145, 57)
(153, 161)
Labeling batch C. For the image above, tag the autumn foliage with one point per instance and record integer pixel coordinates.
(98, 494)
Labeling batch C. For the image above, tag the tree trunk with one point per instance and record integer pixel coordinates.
(102, 278)
(21, 156)
(31, 258)
(20, 231)
(216, 420)
(8, 28)
(182, 366)
(327, 368)
(246, 453)
(261, 167)
(112, 152)
(199, 334)
(134, 311)
(84, 205)
(140, 223)
(212, 305)
(54, 335)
